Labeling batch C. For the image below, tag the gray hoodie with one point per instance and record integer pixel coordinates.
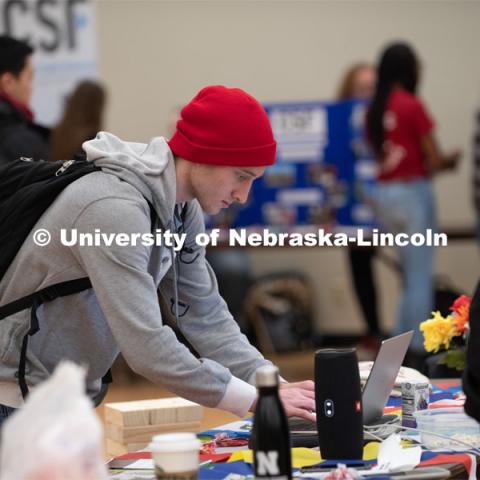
(121, 312)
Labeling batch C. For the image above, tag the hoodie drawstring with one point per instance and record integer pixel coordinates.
(175, 287)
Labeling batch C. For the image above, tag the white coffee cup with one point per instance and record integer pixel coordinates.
(175, 455)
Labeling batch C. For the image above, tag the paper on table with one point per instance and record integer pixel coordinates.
(392, 457)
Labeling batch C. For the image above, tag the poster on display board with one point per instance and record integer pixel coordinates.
(63, 34)
(323, 176)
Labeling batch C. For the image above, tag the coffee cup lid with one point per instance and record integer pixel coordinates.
(174, 442)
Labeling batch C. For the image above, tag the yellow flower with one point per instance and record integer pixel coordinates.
(438, 332)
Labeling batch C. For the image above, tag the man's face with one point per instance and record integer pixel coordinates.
(217, 187)
(19, 87)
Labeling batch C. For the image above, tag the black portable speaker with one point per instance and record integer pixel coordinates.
(339, 404)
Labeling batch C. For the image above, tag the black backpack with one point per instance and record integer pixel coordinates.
(27, 189)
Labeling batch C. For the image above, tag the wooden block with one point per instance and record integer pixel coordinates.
(114, 448)
(125, 435)
(178, 410)
(114, 414)
(153, 412)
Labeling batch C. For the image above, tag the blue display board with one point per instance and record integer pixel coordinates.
(324, 172)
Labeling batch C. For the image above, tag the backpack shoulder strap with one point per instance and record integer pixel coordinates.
(46, 294)
(33, 301)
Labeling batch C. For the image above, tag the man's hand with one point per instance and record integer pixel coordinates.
(298, 399)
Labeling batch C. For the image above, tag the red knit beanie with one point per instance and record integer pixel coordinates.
(224, 126)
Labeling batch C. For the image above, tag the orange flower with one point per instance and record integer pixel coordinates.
(461, 301)
(461, 309)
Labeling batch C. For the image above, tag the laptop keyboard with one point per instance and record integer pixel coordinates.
(297, 424)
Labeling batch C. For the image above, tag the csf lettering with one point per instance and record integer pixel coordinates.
(52, 21)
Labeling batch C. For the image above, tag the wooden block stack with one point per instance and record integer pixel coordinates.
(130, 426)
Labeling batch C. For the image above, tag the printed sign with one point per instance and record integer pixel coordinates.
(324, 174)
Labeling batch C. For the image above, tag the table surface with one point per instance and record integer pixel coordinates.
(457, 469)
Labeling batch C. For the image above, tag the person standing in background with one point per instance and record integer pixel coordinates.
(359, 83)
(476, 171)
(401, 132)
(82, 119)
(19, 135)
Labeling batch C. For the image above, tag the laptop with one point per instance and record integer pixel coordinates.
(375, 393)
(382, 377)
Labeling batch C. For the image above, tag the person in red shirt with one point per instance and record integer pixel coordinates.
(401, 132)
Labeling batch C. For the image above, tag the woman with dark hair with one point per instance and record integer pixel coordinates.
(82, 120)
(401, 133)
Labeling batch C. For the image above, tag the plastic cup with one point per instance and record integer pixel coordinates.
(176, 456)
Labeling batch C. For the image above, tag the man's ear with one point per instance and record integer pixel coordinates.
(6, 82)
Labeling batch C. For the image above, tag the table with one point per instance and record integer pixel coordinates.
(456, 464)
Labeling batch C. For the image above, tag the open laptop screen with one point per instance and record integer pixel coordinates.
(382, 376)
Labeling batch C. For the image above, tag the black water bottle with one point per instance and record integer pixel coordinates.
(270, 435)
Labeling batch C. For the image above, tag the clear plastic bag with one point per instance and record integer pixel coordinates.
(56, 434)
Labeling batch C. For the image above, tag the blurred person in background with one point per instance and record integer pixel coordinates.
(82, 119)
(401, 132)
(358, 83)
(476, 172)
(19, 135)
(471, 373)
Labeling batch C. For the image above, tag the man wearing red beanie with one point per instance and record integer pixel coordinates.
(223, 141)
(221, 127)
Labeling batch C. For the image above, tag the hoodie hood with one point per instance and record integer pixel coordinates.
(149, 168)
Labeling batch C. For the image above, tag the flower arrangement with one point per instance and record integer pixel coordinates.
(449, 333)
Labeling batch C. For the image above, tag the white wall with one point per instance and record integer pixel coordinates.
(155, 55)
